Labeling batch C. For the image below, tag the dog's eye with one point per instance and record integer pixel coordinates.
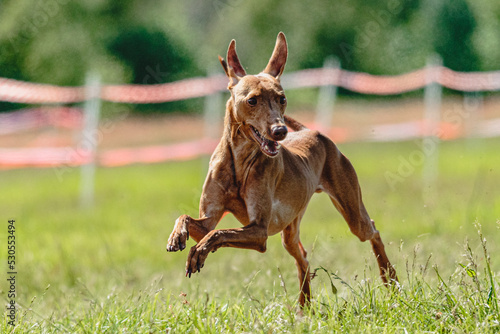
(282, 100)
(252, 101)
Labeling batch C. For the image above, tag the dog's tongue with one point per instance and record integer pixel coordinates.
(270, 147)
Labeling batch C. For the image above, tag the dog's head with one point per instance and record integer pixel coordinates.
(259, 100)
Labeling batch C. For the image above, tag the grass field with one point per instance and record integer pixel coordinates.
(105, 269)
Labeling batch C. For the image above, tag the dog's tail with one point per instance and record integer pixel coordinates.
(293, 124)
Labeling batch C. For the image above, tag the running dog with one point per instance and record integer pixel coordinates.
(265, 176)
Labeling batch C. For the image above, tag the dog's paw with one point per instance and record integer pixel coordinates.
(196, 259)
(180, 234)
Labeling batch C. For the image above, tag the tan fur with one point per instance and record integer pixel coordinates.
(269, 194)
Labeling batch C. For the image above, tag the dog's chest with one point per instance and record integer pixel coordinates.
(282, 213)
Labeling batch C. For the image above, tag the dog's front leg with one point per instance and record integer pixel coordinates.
(185, 226)
(252, 236)
(211, 211)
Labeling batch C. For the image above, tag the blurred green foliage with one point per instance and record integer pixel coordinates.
(146, 42)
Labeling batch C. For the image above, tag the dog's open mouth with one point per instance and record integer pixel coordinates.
(269, 147)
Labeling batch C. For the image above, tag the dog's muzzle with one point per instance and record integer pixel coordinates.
(269, 147)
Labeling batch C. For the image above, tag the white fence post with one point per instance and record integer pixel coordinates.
(212, 114)
(90, 138)
(432, 121)
(472, 109)
(212, 117)
(327, 94)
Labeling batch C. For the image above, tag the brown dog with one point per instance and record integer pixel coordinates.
(265, 177)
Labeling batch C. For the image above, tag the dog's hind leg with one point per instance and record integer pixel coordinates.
(291, 242)
(387, 271)
(340, 182)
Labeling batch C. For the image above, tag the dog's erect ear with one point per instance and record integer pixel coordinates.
(277, 62)
(233, 68)
(233, 60)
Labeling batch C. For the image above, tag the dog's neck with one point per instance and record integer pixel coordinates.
(231, 125)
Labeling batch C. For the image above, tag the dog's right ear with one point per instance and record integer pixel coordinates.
(233, 68)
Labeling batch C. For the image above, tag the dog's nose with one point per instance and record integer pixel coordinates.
(279, 132)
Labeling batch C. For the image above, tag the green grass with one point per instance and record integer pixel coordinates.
(105, 269)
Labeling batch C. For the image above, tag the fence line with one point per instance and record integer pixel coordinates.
(330, 77)
(34, 93)
(52, 157)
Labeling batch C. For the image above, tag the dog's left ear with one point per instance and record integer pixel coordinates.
(277, 62)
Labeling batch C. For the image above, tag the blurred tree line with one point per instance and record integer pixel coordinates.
(147, 42)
